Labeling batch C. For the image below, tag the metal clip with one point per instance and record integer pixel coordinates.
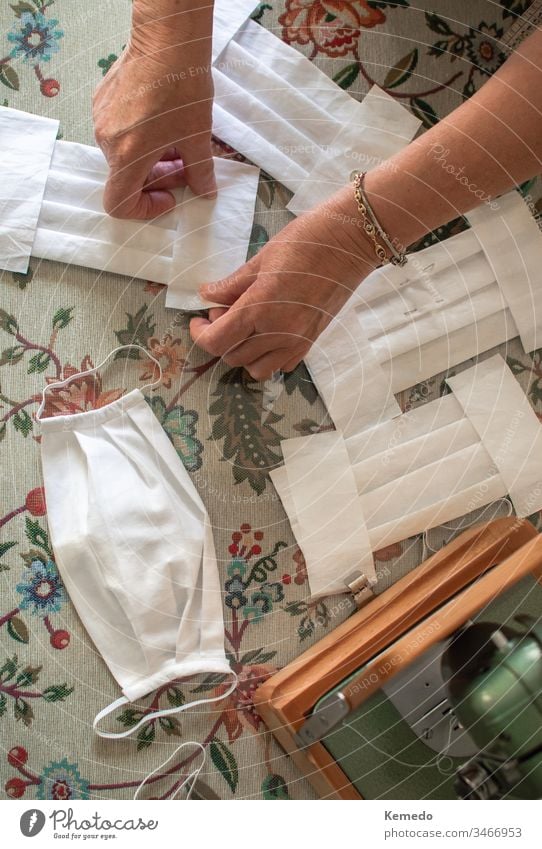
(359, 585)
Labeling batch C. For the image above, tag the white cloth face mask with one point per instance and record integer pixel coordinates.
(133, 545)
(451, 301)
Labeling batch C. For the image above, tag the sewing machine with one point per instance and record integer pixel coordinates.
(434, 688)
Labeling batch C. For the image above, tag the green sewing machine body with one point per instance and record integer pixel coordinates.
(481, 735)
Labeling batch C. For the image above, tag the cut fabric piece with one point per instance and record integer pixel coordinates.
(330, 528)
(508, 428)
(511, 240)
(212, 235)
(277, 108)
(27, 142)
(451, 301)
(426, 467)
(73, 228)
(382, 127)
(347, 375)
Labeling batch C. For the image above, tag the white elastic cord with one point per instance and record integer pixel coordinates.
(191, 775)
(155, 714)
(59, 383)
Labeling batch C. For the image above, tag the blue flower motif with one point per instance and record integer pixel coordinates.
(235, 592)
(61, 780)
(262, 601)
(34, 37)
(41, 589)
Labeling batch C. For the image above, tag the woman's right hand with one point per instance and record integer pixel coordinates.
(152, 113)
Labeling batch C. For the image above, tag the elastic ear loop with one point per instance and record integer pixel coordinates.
(192, 775)
(155, 714)
(59, 383)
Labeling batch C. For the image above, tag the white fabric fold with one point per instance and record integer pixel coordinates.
(378, 130)
(27, 142)
(212, 235)
(197, 242)
(277, 108)
(451, 301)
(426, 467)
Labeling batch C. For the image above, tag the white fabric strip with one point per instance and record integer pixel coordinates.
(508, 427)
(212, 235)
(228, 17)
(199, 241)
(27, 143)
(277, 108)
(512, 243)
(330, 528)
(380, 128)
(429, 466)
(348, 376)
(451, 301)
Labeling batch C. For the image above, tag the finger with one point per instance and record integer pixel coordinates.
(124, 196)
(220, 336)
(294, 361)
(229, 289)
(166, 174)
(266, 366)
(216, 312)
(257, 346)
(199, 166)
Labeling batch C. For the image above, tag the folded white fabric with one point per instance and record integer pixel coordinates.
(199, 240)
(451, 301)
(428, 466)
(27, 143)
(227, 18)
(378, 130)
(277, 108)
(212, 235)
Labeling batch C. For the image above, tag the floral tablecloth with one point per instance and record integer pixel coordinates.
(57, 319)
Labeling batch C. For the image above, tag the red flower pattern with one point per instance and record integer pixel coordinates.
(332, 27)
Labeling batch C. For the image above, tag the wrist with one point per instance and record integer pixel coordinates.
(348, 232)
(168, 29)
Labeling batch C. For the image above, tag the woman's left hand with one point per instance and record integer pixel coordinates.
(278, 303)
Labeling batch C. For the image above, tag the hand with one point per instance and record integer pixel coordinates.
(280, 301)
(152, 118)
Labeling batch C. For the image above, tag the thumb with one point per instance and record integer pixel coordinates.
(229, 289)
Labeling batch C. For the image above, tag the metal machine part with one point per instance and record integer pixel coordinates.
(420, 695)
(331, 712)
(360, 586)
